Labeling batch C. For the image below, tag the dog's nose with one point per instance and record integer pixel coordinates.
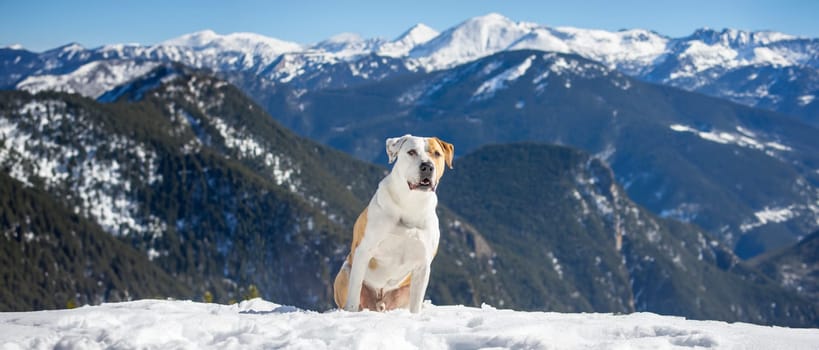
(427, 168)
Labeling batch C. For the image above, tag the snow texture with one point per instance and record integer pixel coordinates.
(744, 139)
(805, 100)
(258, 324)
(502, 80)
(769, 215)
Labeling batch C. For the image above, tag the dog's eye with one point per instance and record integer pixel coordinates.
(412, 153)
(437, 154)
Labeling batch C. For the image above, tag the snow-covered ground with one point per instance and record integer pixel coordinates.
(159, 324)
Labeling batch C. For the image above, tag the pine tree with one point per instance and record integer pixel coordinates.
(252, 292)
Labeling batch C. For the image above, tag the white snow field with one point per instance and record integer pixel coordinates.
(257, 324)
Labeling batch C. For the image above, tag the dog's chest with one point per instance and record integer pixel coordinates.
(395, 257)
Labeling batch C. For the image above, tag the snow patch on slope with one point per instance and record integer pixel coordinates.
(90, 80)
(234, 137)
(774, 214)
(258, 324)
(744, 139)
(805, 100)
(248, 147)
(103, 187)
(700, 56)
(770, 215)
(500, 81)
(731, 48)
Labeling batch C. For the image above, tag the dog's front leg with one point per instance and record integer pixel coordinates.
(357, 271)
(418, 286)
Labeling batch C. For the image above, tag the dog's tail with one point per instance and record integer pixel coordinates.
(341, 285)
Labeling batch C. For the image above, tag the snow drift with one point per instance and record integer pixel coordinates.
(257, 323)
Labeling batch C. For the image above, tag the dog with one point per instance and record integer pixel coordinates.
(396, 236)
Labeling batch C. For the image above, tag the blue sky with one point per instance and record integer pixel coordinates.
(42, 24)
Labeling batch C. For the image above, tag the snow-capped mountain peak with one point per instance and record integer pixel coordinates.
(727, 49)
(627, 49)
(68, 51)
(419, 33)
(72, 52)
(474, 38)
(401, 46)
(347, 45)
(208, 49)
(489, 34)
(738, 38)
(195, 39)
(208, 39)
(343, 38)
(339, 42)
(70, 47)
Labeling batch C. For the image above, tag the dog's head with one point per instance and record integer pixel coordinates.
(420, 160)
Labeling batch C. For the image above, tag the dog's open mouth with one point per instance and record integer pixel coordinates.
(424, 185)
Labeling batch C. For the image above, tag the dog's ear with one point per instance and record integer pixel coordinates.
(449, 151)
(394, 146)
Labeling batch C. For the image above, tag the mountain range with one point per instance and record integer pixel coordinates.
(763, 69)
(296, 83)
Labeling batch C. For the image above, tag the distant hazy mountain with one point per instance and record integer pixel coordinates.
(746, 175)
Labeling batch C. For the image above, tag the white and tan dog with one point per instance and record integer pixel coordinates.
(396, 237)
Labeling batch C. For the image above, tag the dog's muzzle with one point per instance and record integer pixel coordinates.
(425, 173)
